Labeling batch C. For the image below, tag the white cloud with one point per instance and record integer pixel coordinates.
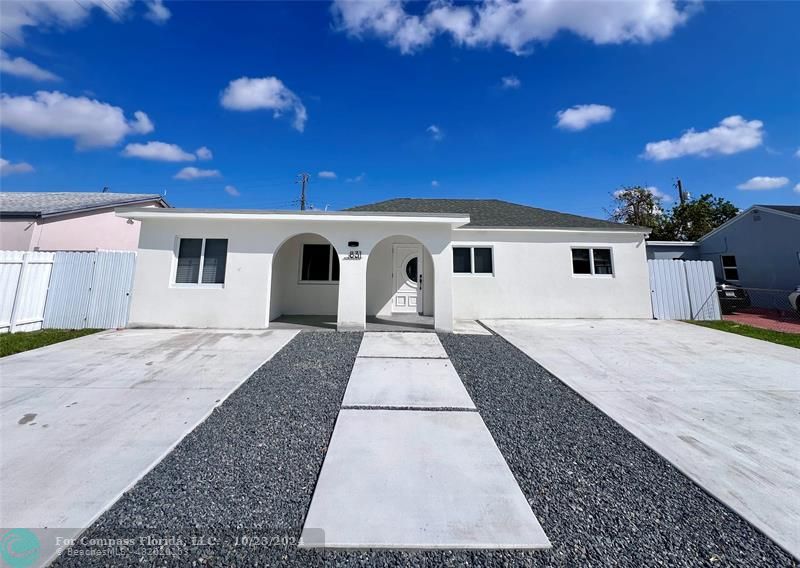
(231, 190)
(513, 24)
(7, 168)
(157, 12)
(797, 154)
(191, 172)
(511, 82)
(435, 132)
(764, 182)
(580, 117)
(21, 67)
(360, 177)
(733, 134)
(45, 15)
(435, 183)
(89, 122)
(269, 93)
(327, 175)
(204, 153)
(160, 151)
(797, 188)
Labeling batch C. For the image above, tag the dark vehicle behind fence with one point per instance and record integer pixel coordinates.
(731, 297)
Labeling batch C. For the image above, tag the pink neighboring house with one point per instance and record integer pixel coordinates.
(77, 221)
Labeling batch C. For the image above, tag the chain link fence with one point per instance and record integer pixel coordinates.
(772, 306)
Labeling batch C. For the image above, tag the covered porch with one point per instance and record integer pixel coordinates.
(362, 275)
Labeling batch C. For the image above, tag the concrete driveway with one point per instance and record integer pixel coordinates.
(723, 408)
(83, 420)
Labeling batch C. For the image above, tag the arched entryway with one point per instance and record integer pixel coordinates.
(304, 287)
(400, 283)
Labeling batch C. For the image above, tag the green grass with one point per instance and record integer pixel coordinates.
(11, 343)
(780, 337)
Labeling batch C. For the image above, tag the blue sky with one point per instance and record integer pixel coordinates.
(358, 87)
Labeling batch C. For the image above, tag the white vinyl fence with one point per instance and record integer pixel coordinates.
(66, 290)
(24, 277)
(683, 290)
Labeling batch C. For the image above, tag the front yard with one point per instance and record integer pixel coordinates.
(11, 343)
(779, 337)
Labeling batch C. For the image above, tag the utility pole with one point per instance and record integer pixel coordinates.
(681, 194)
(303, 181)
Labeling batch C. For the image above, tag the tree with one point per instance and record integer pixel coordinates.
(691, 220)
(637, 205)
(688, 221)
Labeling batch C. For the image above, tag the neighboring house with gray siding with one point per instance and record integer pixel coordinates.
(759, 249)
(672, 250)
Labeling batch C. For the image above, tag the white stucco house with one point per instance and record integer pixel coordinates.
(448, 259)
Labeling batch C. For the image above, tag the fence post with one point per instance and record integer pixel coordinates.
(692, 315)
(12, 325)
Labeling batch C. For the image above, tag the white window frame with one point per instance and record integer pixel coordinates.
(329, 281)
(472, 273)
(591, 250)
(734, 267)
(199, 283)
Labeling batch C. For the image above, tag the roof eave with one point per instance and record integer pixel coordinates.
(625, 229)
(74, 210)
(280, 215)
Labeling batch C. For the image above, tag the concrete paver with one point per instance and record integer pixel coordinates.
(420, 383)
(721, 407)
(418, 479)
(425, 474)
(401, 345)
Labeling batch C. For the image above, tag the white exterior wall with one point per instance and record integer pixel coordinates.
(533, 277)
(244, 300)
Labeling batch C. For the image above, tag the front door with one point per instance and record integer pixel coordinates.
(407, 279)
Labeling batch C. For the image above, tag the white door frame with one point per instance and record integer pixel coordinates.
(407, 297)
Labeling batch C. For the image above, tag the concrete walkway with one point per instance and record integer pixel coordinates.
(411, 465)
(721, 407)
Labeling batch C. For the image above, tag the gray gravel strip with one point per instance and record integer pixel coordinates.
(603, 498)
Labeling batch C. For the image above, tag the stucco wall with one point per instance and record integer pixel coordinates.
(244, 300)
(766, 250)
(533, 277)
(100, 229)
(16, 234)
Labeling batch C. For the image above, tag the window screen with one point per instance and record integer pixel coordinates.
(214, 259)
(189, 261)
(729, 268)
(483, 260)
(580, 261)
(461, 260)
(602, 261)
(320, 264)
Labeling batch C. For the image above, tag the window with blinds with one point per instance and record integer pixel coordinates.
(201, 261)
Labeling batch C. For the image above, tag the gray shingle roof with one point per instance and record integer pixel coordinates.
(793, 209)
(44, 204)
(495, 213)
